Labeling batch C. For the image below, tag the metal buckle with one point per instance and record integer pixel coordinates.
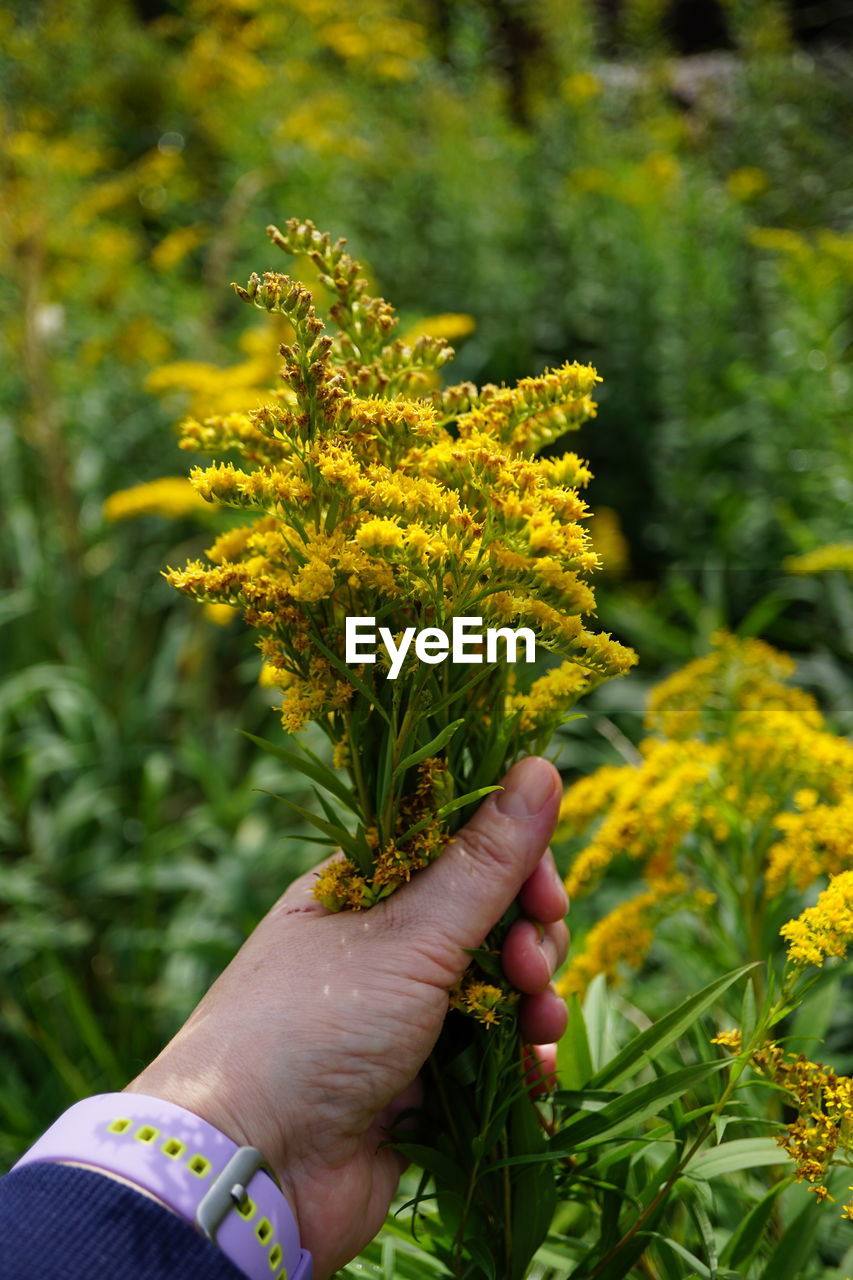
(228, 1190)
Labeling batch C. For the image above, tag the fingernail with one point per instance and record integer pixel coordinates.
(549, 951)
(562, 888)
(528, 787)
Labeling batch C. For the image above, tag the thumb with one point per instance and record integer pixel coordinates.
(463, 894)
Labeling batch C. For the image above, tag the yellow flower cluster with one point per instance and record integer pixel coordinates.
(550, 695)
(823, 1128)
(451, 325)
(239, 387)
(729, 1039)
(736, 676)
(826, 929)
(816, 842)
(835, 556)
(418, 838)
(747, 183)
(366, 496)
(609, 541)
(623, 938)
(371, 493)
(483, 1001)
(647, 810)
(170, 496)
(742, 782)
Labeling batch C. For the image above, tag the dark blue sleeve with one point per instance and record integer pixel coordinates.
(68, 1223)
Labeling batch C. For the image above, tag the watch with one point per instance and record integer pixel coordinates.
(218, 1187)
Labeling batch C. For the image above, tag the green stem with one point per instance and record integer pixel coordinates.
(357, 774)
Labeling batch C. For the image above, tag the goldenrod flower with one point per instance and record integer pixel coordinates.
(449, 325)
(834, 557)
(220, 614)
(339, 885)
(482, 1000)
(551, 695)
(369, 493)
(608, 540)
(737, 675)
(817, 841)
(743, 783)
(826, 929)
(623, 938)
(171, 497)
(730, 1039)
(747, 183)
(823, 1128)
(650, 808)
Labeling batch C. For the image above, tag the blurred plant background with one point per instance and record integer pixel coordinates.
(662, 189)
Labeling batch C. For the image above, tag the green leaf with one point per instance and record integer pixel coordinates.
(620, 1264)
(632, 1108)
(746, 1241)
(612, 1204)
(385, 779)
(325, 806)
(748, 1011)
(701, 1271)
(79, 1008)
(349, 843)
(596, 1013)
(447, 1172)
(481, 1255)
(487, 960)
(813, 1018)
(795, 1250)
(455, 694)
(664, 1032)
(493, 758)
(310, 768)
(435, 745)
(461, 801)
(413, 831)
(742, 1153)
(702, 1218)
(574, 1060)
(698, 1266)
(532, 1188)
(846, 1267)
(608, 1156)
(584, 1099)
(389, 1257)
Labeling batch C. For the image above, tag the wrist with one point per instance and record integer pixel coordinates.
(240, 1123)
(181, 1160)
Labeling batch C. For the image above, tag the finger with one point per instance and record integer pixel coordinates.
(543, 896)
(454, 903)
(396, 1115)
(540, 1063)
(532, 953)
(543, 1017)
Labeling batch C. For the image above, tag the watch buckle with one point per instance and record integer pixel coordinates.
(228, 1190)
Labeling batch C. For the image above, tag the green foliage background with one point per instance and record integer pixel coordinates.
(681, 223)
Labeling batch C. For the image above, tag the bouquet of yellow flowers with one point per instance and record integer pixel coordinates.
(426, 523)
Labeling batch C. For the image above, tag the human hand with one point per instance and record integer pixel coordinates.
(310, 1043)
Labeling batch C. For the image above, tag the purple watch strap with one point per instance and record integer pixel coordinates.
(192, 1168)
